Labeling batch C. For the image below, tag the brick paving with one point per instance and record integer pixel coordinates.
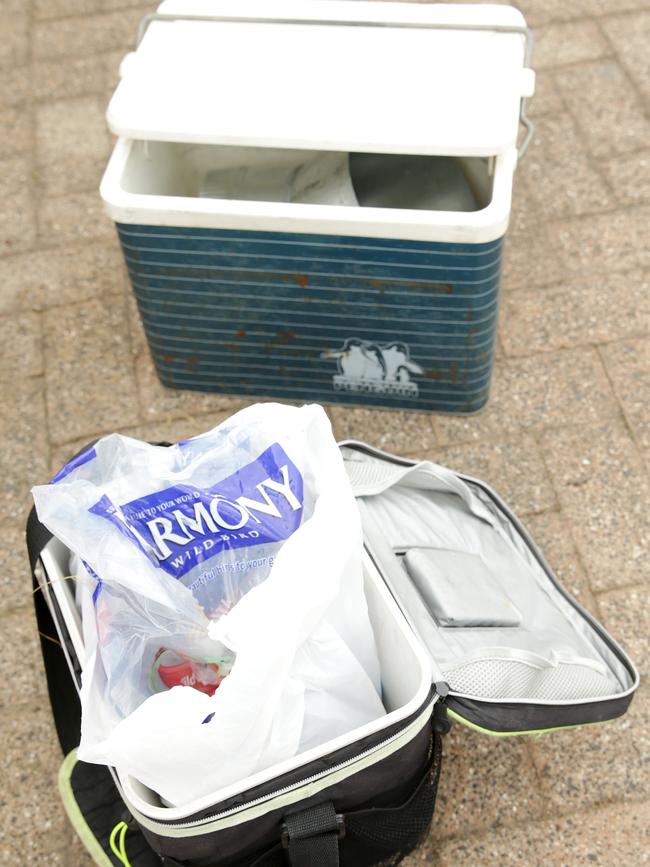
(566, 437)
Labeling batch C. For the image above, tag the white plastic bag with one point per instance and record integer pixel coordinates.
(247, 541)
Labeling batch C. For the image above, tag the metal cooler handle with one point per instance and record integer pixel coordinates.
(526, 32)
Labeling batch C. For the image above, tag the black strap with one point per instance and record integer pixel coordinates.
(312, 836)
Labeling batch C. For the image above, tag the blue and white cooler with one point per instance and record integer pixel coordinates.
(312, 195)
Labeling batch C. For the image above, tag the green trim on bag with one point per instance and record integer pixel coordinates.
(476, 728)
(117, 843)
(76, 816)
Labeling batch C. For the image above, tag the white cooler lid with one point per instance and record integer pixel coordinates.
(337, 75)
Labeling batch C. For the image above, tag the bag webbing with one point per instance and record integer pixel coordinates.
(312, 836)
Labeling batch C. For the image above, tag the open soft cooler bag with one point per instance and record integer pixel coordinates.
(471, 625)
(312, 197)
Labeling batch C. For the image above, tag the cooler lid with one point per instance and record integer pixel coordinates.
(327, 74)
(537, 661)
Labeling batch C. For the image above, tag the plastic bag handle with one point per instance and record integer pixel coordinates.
(526, 32)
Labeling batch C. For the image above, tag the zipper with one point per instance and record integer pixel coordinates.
(440, 719)
(384, 748)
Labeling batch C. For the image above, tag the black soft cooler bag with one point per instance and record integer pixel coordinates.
(501, 647)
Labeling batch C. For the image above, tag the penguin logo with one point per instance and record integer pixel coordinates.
(368, 367)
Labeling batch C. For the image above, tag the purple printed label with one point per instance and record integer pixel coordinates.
(183, 525)
(73, 464)
(98, 587)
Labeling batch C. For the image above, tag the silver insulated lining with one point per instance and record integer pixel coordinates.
(495, 624)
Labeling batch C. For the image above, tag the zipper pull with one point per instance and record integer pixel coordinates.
(441, 722)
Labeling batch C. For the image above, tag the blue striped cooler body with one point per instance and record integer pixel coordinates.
(395, 324)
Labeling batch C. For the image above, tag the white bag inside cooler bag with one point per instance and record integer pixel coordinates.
(300, 633)
(404, 666)
(405, 685)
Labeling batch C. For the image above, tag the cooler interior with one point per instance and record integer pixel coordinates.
(399, 181)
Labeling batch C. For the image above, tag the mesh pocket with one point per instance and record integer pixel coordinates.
(384, 836)
(512, 679)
